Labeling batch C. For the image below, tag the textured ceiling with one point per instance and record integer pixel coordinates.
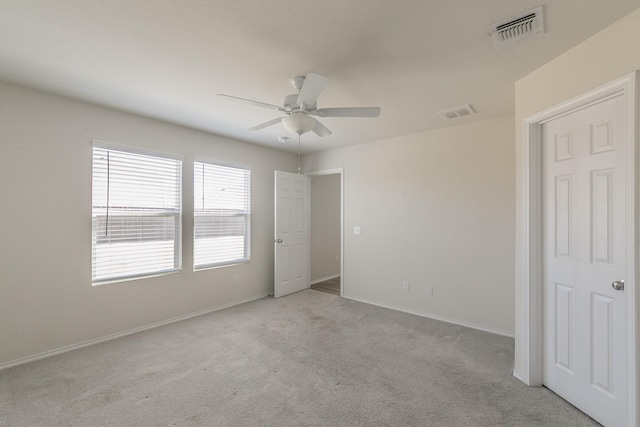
(168, 59)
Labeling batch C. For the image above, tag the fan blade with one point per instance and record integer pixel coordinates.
(311, 88)
(267, 124)
(321, 130)
(348, 112)
(250, 101)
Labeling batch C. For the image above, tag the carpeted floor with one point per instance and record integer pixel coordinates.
(308, 359)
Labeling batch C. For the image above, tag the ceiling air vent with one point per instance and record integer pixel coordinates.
(452, 113)
(518, 28)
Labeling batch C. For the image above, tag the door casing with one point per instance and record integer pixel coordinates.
(531, 243)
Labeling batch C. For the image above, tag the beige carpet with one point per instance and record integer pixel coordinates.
(308, 359)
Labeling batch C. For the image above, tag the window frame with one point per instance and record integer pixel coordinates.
(247, 215)
(177, 214)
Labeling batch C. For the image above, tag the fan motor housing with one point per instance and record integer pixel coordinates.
(290, 103)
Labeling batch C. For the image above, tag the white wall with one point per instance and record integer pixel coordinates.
(436, 208)
(325, 227)
(610, 54)
(46, 297)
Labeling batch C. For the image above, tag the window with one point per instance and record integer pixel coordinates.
(136, 214)
(222, 198)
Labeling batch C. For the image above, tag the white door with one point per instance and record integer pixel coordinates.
(291, 233)
(583, 255)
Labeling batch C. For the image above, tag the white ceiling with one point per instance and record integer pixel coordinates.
(168, 59)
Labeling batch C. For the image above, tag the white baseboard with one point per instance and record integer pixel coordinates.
(434, 317)
(324, 279)
(518, 376)
(72, 347)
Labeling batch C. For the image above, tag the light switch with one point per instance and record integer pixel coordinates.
(357, 229)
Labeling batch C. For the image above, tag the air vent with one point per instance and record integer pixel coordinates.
(525, 26)
(452, 113)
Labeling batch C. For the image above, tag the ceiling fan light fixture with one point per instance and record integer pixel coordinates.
(301, 106)
(299, 123)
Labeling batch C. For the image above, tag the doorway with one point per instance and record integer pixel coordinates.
(570, 217)
(325, 226)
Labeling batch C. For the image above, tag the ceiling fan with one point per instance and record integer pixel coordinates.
(301, 106)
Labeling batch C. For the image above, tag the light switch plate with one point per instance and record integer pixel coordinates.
(357, 229)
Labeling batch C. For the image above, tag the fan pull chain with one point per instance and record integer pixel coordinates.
(299, 169)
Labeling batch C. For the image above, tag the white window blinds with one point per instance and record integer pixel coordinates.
(222, 210)
(136, 214)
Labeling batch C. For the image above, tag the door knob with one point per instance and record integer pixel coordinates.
(278, 240)
(618, 285)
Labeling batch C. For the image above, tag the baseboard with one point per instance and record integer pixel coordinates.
(72, 347)
(324, 279)
(434, 317)
(518, 376)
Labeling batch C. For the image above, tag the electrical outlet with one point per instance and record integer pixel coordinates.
(406, 286)
(429, 291)
(236, 279)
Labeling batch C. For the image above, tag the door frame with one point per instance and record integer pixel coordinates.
(531, 228)
(336, 171)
